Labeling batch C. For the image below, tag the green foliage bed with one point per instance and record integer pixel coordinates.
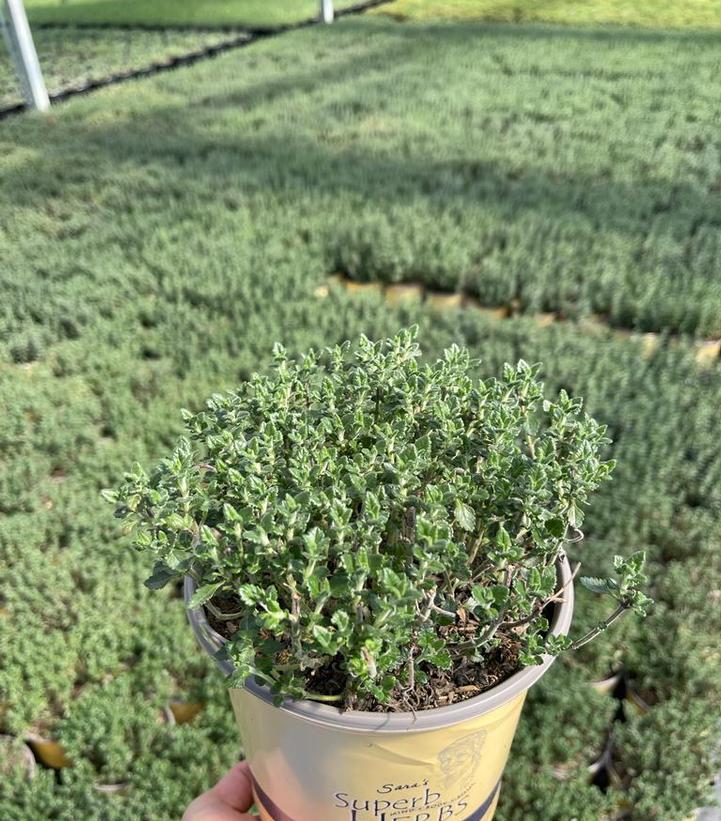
(568, 169)
(157, 238)
(176, 12)
(579, 12)
(271, 12)
(75, 57)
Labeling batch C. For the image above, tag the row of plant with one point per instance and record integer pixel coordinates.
(609, 12)
(241, 13)
(560, 170)
(707, 351)
(269, 12)
(76, 57)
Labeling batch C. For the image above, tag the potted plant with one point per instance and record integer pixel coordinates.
(373, 551)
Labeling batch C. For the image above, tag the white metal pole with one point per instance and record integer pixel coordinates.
(326, 10)
(22, 50)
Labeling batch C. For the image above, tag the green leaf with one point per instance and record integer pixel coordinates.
(203, 594)
(595, 585)
(251, 594)
(503, 539)
(636, 561)
(208, 537)
(557, 644)
(230, 514)
(556, 527)
(464, 516)
(481, 595)
(640, 603)
(341, 620)
(324, 636)
(162, 574)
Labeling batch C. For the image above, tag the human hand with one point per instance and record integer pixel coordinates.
(228, 800)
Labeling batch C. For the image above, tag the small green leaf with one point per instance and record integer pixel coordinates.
(503, 539)
(324, 637)
(251, 594)
(203, 594)
(341, 620)
(230, 514)
(636, 561)
(595, 585)
(464, 515)
(640, 603)
(557, 644)
(556, 527)
(162, 574)
(481, 595)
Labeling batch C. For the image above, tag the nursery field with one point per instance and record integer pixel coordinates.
(76, 57)
(670, 13)
(157, 237)
(272, 12)
(175, 12)
(81, 43)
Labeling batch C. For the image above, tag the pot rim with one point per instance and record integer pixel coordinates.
(361, 721)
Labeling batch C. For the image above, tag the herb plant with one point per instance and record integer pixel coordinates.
(359, 517)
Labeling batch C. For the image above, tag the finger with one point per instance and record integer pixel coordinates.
(234, 788)
(209, 808)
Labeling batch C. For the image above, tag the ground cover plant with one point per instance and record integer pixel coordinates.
(706, 13)
(510, 168)
(75, 57)
(157, 238)
(173, 13)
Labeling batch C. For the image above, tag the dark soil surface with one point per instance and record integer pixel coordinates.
(443, 687)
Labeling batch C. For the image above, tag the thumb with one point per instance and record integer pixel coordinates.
(227, 800)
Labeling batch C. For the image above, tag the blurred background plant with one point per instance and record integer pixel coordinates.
(158, 236)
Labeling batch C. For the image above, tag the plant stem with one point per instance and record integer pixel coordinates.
(531, 446)
(318, 697)
(491, 630)
(443, 612)
(429, 604)
(599, 628)
(476, 546)
(222, 616)
(557, 596)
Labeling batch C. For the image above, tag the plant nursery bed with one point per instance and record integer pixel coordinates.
(77, 58)
(159, 236)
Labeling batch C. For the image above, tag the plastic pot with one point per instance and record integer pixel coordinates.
(312, 762)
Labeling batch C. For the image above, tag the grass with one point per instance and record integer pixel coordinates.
(175, 13)
(157, 237)
(672, 13)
